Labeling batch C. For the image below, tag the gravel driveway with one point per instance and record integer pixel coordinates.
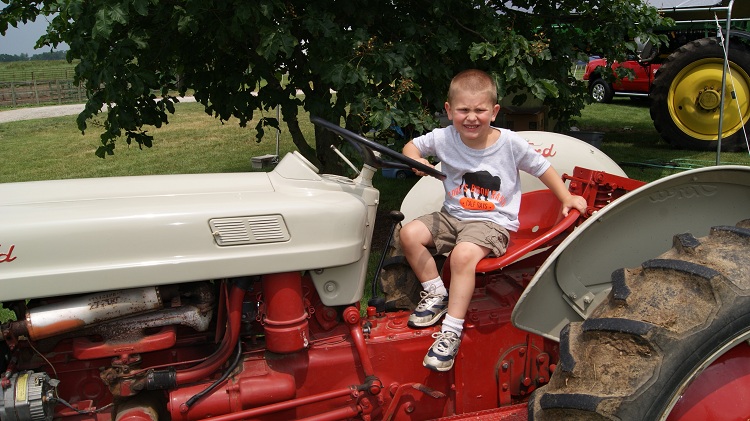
(39, 112)
(32, 113)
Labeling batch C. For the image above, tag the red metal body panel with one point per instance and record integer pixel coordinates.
(409, 391)
(497, 365)
(719, 393)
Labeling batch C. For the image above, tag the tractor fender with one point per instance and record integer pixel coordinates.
(641, 224)
(564, 152)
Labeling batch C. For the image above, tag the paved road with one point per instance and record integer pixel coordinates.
(50, 111)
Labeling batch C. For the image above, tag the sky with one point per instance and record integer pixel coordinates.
(22, 39)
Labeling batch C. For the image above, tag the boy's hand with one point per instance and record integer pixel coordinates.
(574, 202)
(556, 185)
(412, 152)
(422, 161)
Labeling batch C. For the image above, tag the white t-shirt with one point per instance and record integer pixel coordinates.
(482, 184)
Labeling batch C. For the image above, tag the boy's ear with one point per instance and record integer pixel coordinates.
(495, 110)
(448, 110)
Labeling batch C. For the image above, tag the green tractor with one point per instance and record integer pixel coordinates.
(700, 95)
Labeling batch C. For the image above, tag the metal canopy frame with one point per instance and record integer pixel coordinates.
(700, 10)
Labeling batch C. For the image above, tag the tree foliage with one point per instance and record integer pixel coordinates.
(373, 64)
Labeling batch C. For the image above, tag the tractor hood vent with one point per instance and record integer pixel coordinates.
(249, 230)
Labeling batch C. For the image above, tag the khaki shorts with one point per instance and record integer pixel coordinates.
(447, 231)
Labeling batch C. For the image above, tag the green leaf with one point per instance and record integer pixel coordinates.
(141, 7)
(118, 14)
(102, 26)
(140, 41)
(185, 24)
(104, 150)
(276, 42)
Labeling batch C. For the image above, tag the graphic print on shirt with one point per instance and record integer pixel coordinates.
(478, 188)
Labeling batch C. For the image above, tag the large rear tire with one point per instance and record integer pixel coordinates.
(661, 326)
(686, 96)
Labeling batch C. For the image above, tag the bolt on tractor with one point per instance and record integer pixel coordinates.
(237, 297)
(699, 82)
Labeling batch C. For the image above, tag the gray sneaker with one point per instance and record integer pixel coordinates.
(442, 352)
(429, 310)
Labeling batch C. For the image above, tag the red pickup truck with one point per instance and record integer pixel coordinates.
(639, 85)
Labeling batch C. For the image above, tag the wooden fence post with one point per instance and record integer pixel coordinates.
(36, 88)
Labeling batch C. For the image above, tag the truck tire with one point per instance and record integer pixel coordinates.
(685, 97)
(601, 91)
(662, 324)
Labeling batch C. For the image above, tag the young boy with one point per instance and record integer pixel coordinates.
(482, 199)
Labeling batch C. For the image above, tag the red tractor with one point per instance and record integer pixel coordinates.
(236, 297)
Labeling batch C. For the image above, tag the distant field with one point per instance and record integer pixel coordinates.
(36, 69)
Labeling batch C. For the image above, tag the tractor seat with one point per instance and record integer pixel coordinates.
(541, 222)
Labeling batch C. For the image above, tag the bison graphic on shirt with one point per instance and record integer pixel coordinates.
(478, 187)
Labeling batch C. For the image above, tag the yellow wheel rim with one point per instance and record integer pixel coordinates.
(694, 107)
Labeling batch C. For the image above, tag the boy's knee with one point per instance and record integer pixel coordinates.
(467, 254)
(405, 234)
(410, 233)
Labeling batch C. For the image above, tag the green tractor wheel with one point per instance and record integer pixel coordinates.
(686, 96)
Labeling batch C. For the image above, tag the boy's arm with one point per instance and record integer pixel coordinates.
(412, 152)
(554, 182)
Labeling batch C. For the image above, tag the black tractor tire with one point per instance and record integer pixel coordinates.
(661, 325)
(601, 91)
(686, 95)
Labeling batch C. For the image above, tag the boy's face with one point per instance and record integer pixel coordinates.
(472, 114)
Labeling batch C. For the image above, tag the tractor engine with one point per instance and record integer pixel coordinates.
(262, 347)
(93, 344)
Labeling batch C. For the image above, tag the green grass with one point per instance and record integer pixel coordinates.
(631, 140)
(193, 142)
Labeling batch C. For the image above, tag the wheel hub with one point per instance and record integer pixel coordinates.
(709, 99)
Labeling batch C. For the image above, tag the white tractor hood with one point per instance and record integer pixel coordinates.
(73, 236)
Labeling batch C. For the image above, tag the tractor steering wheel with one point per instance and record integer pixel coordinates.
(367, 146)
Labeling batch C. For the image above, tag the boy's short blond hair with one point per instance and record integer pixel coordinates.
(474, 81)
